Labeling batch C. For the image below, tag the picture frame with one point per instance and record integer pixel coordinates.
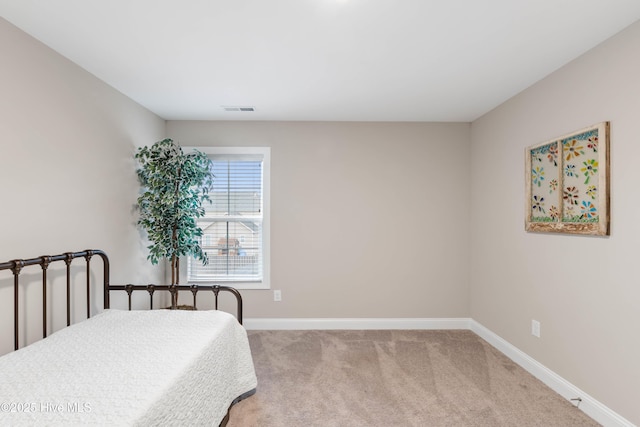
(567, 183)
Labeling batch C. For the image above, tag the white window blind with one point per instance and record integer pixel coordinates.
(233, 227)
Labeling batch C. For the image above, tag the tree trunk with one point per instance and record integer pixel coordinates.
(175, 279)
(175, 261)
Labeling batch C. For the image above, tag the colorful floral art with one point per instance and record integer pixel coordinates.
(565, 176)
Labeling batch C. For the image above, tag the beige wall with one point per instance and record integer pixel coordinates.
(342, 198)
(68, 181)
(583, 290)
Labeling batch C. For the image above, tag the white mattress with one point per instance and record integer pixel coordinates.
(159, 367)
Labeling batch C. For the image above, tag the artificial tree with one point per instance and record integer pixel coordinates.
(174, 187)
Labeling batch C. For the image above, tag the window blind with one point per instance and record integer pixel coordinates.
(232, 226)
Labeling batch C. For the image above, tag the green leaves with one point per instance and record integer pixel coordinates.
(174, 187)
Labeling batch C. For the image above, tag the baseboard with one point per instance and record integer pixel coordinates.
(590, 406)
(355, 323)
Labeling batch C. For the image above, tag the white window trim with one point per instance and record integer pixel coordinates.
(265, 152)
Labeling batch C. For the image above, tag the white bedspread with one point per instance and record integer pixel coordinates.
(121, 368)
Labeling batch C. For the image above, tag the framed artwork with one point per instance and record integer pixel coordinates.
(567, 182)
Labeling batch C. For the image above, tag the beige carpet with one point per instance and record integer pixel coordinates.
(393, 378)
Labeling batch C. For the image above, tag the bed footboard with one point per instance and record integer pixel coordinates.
(174, 290)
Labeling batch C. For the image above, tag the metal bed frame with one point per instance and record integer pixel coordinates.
(17, 265)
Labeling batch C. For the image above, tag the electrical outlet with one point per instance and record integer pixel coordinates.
(277, 295)
(535, 328)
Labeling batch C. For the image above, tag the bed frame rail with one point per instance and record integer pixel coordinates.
(17, 265)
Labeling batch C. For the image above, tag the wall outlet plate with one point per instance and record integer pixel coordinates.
(277, 295)
(535, 328)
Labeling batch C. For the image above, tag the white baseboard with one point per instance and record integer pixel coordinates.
(588, 405)
(564, 388)
(355, 323)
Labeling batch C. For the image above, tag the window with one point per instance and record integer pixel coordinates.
(235, 227)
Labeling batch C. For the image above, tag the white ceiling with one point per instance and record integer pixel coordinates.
(356, 60)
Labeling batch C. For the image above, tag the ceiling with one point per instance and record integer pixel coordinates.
(328, 60)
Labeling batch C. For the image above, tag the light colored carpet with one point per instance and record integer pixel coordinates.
(393, 378)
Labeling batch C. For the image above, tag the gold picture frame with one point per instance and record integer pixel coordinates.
(567, 183)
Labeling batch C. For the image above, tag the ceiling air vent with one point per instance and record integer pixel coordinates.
(237, 108)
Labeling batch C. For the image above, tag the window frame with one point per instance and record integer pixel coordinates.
(265, 153)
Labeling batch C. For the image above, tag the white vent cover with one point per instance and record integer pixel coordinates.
(238, 108)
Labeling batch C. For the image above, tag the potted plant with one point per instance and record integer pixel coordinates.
(174, 187)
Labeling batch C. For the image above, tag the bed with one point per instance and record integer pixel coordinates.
(126, 367)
